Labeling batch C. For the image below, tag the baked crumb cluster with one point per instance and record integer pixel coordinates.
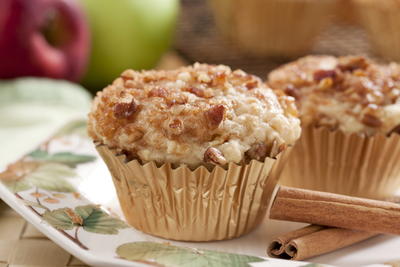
(193, 115)
(350, 93)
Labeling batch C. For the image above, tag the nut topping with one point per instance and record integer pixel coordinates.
(158, 92)
(214, 156)
(319, 75)
(352, 63)
(148, 79)
(166, 115)
(176, 101)
(196, 91)
(175, 127)
(125, 110)
(251, 85)
(176, 123)
(371, 120)
(333, 91)
(215, 115)
(290, 90)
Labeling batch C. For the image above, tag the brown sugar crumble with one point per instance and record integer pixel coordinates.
(353, 94)
(192, 115)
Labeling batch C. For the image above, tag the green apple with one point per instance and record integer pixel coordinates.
(127, 34)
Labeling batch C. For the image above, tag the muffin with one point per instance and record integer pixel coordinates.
(194, 152)
(275, 27)
(350, 113)
(381, 20)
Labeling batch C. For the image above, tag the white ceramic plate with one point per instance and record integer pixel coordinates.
(64, 189)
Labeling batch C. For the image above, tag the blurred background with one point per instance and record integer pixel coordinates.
(92, 41)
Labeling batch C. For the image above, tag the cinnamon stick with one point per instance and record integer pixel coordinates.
(314, 240)
(293, 204)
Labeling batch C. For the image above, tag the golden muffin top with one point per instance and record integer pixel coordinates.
(193, 115)
(353, 94)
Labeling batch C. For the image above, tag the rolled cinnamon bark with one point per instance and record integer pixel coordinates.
(299, 205)
(277, 248)
(314, 240)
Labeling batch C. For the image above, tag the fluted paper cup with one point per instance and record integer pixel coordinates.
(349, 164)
(193, 205)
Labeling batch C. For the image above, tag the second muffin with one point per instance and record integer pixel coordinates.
(350, 113)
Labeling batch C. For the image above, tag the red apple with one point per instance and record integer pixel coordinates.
(43, 38)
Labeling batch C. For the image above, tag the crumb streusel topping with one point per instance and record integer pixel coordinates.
(349, 93)
(195, 114)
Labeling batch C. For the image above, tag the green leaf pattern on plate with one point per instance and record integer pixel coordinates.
(90, 217)
(44, 170)
(51, 177)
(97, 221)
(167, 255)
(48, 176)
(17, 185)
(66, 158)
(59, 219)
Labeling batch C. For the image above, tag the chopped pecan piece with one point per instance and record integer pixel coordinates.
(352, 63)
(158, 92)
(218, 79)
(176, 123)
(175, 127)
(220, 76)
(178, 101)
(215, 115)
(290, 90)
(196, 91)
(319, 75)
(214, 156)
(251, 85)
(371, 120)
(148, 79)
(125, 110)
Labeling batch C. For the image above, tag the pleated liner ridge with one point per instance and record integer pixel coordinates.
(198, 205)
(349, 164)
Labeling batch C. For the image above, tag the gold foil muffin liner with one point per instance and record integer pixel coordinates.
(349, 164)
(193, 205)
(381, 20)
(273, 27)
